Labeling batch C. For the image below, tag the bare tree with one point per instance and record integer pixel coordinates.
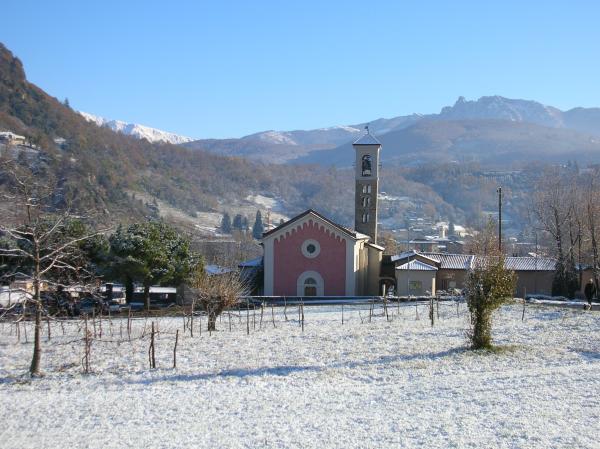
(486, 241)
(554, 209)
(592, 221)
(42, 244)
(216, 293)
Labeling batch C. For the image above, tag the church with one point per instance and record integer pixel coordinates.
(310, 255)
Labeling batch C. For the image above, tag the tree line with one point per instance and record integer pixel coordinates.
(565, 218)
(240, 224)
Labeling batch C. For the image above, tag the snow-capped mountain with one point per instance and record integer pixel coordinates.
(492, 129)
(135, 130)
(333, 135)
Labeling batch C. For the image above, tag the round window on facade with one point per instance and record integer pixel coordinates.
(311, 248)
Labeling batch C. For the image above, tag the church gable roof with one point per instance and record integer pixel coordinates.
(353, 234)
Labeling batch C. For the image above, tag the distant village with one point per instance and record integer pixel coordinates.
(310, 256)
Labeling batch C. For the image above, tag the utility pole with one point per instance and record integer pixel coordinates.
(500, 218)
(536, 264)
(408, 263)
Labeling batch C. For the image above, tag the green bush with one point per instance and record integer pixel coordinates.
(489, 285)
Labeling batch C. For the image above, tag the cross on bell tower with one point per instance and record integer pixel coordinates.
(367, 184)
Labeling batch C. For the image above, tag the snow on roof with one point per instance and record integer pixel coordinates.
(256, 262)
(367, 139)
(379, 247)
(530, 264)
(452, 261)
(10, 135)
(157, 289)
(416, 265)
(9, 297)
(404, 255)
(467, 261)
(212, 270)
(411, 253)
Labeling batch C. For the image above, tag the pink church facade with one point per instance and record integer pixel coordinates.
(295, 259)
(312, 256)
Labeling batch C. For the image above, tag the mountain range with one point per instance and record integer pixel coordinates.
(492, 130)
(124, 178)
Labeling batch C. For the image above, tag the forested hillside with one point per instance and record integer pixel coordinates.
(118, 176)
(101, 170)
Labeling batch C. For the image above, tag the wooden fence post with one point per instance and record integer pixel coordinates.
(192, 318)
(247, 317)
(151, 353)
(385, 309)
(175, 349)
(431, 313)
(262, 311)
(273, 314)
(87, 349)
(129, 323)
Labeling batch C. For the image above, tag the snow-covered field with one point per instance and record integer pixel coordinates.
(361, 384)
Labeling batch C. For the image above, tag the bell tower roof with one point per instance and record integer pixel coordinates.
(367, 139)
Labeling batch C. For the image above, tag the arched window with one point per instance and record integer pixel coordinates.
(366, 201)
(366, 165)
(366, 188)
(365, 217)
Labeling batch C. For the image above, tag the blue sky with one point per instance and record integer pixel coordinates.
(226, 69)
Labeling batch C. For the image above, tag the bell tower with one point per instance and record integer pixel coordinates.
(367, 184)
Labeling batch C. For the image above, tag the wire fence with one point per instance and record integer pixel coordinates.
(142, 331)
